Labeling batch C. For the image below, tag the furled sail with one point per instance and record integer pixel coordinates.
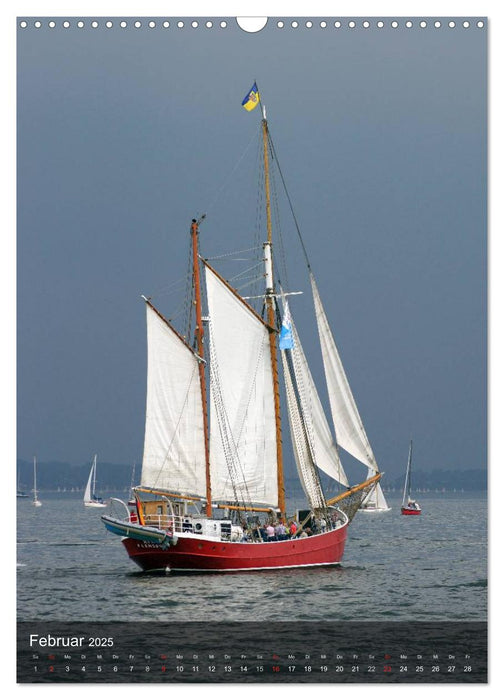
(320, 439)
(350, 433)
(174, 451)
(300, 440)
(242, 413)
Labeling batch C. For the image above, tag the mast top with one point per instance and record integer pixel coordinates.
(196, 222)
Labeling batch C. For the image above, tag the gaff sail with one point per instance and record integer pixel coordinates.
(174, 451)
(242, 412)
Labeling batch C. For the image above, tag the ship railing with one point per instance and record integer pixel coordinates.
(170, 523)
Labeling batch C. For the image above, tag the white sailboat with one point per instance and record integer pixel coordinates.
(375, 501)
(90, 498)
(131, 499)
(35, 501)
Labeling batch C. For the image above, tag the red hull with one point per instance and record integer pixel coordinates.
(410, 511)
(201, 555)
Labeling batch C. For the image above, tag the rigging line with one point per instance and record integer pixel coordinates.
(226, 181)
(236, 252)
(259, 206)
(178, 312)
(170, 288)
(244, 272)
(252, 280)
(281, 256)
(290, 202)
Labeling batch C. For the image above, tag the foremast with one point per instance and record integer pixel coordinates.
(198, 332)
(270, 307)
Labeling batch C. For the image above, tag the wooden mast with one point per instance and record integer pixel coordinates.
(270, 304)
(201, 364)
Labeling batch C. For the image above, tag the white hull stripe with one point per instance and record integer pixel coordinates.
(253, 568)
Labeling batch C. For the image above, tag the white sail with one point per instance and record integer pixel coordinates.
(375, 499)
(35, 501)
(174, 451)
(407, 480)
(321, 441)
(89, 491)
(300, 442)
(242, 413)
(350, 433)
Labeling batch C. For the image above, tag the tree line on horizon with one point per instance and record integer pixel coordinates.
(54, 476)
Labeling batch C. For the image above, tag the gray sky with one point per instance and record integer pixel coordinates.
(125, 134)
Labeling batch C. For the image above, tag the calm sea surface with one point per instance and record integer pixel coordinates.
(432, 567)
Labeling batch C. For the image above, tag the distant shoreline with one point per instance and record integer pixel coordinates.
(117, 478)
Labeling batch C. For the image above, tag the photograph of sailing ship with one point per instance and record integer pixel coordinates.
(258, 277)
(229, 455)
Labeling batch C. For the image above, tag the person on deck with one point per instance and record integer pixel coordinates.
(281, 531)
(270, 533)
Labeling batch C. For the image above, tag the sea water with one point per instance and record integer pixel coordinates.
(395, 568)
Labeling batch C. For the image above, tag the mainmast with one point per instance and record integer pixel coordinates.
(270, 305)
(201, 364)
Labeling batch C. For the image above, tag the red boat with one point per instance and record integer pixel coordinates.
(409, 505)
(194, 554)
(213, 437)
(411, 509)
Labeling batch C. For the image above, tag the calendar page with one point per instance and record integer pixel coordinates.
(251, 348)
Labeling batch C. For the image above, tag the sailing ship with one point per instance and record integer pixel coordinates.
(409, 505)
(91, 500)
(212, 495)
(35, 501)
(375, 501)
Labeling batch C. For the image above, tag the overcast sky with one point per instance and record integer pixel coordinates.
(125, 134)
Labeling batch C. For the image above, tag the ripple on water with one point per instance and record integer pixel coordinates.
(392, 570)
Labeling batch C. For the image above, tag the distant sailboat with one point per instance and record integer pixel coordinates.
(132, 499)
(409, 505)
(375, 501)
(35, 501)
(90, 498)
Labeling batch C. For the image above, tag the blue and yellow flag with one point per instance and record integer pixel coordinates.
(286, 341)
(251, 100)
